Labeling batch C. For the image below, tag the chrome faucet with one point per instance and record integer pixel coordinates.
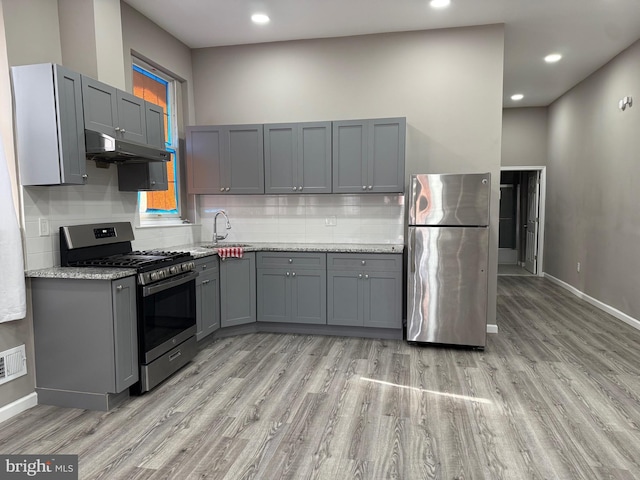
(217, 237)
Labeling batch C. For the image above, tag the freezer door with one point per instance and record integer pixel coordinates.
(447, 285)
(450, 199)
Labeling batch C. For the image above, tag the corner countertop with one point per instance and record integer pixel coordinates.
(203, 249)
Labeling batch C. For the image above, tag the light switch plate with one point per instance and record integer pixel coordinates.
(43, 227)
(331, 221)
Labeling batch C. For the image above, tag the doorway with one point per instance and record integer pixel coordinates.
(521, 224)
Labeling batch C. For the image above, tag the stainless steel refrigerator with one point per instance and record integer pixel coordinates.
(448, 248)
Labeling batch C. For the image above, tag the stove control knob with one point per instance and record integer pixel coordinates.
(153, 276)
(173, 270)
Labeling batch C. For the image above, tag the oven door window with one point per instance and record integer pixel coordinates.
(166, 314)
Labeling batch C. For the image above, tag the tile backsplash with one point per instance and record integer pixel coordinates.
(371, 218)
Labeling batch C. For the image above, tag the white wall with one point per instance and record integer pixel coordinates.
(524, 137)
(18, 332)
(447, 83)
(593, 186)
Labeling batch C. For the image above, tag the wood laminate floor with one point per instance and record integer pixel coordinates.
(555, 395)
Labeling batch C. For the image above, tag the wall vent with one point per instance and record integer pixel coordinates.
(13, 364)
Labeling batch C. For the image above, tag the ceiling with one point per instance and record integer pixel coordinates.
(588, 33)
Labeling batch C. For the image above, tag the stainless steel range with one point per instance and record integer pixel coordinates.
(166, 300)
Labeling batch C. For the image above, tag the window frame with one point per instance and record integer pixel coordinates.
(172, 146)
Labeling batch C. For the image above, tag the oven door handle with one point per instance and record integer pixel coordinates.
(169, 283)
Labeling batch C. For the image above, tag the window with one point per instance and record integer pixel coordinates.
(159, 88)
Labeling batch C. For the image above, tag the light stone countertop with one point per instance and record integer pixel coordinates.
(205, 249)
(199, 250)
(86, 273)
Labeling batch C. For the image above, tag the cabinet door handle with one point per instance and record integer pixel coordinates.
(204, 267)
(300, 188)
(226, 189)
(123, 130)
(295, 188)
(360, 275)
(85, 176)
(370, 187)
(117, 129)
(204, 282)
(366, 276)
(364, 187)
(364, 262)
(222, 189)
(288, 274)
(293, 274)
(291, 260)
(153, 182)
(119, 288)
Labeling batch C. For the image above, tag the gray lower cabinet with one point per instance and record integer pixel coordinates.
(238, 290)
(207, 296)
(292, 287)
(49, 123)
(368, 155)
(364, 290)
(226, 159)
(86, 341)
(297, 157)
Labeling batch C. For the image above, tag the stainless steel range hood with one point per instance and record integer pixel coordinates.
(105, 148)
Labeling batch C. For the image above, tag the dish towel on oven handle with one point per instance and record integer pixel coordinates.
(226, 252)
(13, 304)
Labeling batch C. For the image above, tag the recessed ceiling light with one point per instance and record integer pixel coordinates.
(517, 96)
(439, 3)
(260, 18)
(552, 58)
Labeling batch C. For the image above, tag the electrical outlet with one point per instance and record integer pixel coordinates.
(578, 267)
(43, 227)
(330, 221)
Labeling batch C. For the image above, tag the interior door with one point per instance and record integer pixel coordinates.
(533, 196)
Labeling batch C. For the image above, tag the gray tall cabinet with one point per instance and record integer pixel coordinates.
(297, 157)
(86, 340)
(368, 155)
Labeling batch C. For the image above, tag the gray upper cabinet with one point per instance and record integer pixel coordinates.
(297, 157)
(207, 296)
(49, 125)
(100, 106)
(238, 290)
(225, 159)
(368, 155)
(150, 176)
(364, 290)
(113, 112)
(292, 287)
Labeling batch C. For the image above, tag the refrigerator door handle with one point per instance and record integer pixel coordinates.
(412, 249)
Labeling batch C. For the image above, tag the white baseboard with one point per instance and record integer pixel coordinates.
(19, 406)
(492, 328)
(628, 319)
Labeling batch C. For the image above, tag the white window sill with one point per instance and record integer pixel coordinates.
(165, 223)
